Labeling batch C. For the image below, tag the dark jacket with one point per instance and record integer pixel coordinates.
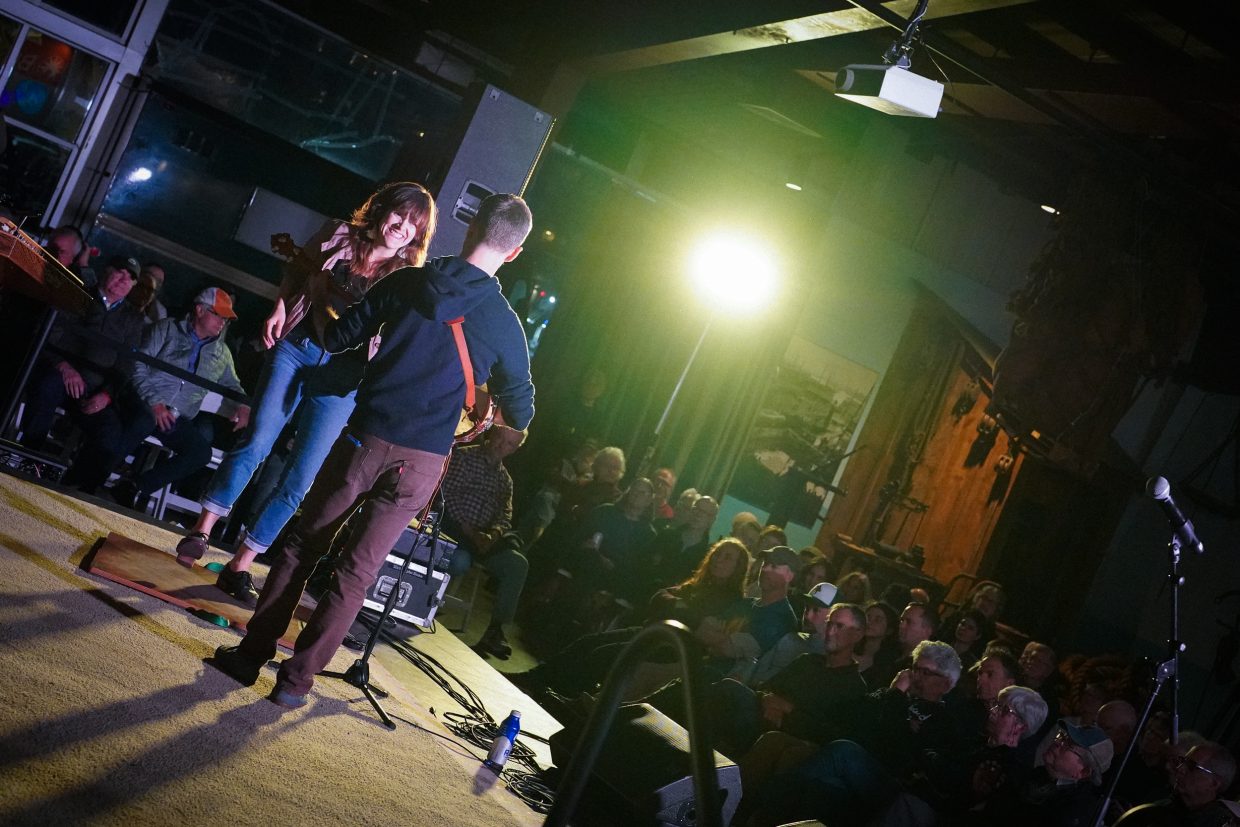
(95, 361)
(414, 388)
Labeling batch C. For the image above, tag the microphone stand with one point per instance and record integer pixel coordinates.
(358, 674)
(1168, 670)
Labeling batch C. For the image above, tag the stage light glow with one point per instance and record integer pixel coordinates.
(793, 187)
(733, 271)
(1048, 208)
(139, 175)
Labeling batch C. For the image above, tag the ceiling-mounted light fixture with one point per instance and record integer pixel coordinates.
(892, 87)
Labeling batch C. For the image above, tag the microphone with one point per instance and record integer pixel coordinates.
(1160, 490)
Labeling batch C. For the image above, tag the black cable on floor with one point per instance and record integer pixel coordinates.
(477, 728)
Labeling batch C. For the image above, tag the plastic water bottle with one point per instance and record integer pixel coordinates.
(502, 746)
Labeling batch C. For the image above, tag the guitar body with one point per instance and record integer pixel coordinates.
(476, 420)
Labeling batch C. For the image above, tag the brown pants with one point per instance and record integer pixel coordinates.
(390, 484)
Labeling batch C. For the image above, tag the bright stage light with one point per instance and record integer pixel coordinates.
(733, 272)
(139, 175)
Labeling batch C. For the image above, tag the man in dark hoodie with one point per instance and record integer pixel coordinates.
(392, 454)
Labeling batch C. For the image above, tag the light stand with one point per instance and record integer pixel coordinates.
(1168, 670)
(648, 456)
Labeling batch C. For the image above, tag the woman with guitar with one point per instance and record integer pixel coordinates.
(300, 379)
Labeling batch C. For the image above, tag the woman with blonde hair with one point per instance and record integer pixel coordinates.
(301, 381)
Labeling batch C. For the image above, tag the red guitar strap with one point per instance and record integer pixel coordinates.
(467, 366)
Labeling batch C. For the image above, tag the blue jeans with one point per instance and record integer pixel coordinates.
(302, 379)
(843, 782)
(509, 568)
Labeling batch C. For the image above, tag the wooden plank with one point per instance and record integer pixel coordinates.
(156, 572)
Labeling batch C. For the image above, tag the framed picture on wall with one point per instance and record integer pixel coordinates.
(802, 432)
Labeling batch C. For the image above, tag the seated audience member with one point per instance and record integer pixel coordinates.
(600, 487)
(873, 749)
(664, 481)
(768, 538)
(610, 541)
(680, 509)
(797, 698)
(1000, 766)
(917, 623)
(477, 492)
(1146, 778)
(985, 598)
(541, 509)
(74, 367)
(153, 400)
(712, 591)
(855, 588)
(814, 570)
(1038, 671)
(810, 639)
(145, 294)
(967, 637)
(747, 529)
(709, 591)
(1198, 782)
(996, 671)
(1065, 791)
(676, 551)
(69, 248)
(754, 625)
(879, 643)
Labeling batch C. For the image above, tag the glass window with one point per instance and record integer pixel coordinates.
(109, 15)
(52, 85)
(310, 88)
(9, 30)
(30, 168)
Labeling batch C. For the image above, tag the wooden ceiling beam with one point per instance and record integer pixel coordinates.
(777, 33)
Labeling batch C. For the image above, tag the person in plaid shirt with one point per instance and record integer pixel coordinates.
(477, 494)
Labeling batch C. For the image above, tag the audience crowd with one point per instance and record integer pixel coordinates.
(837, 706)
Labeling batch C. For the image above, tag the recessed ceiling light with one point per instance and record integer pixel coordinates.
(1048, 208)
(793, 187)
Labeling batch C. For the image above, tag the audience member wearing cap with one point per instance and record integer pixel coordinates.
(155, 402)
(795, 698)
(1198, 782)
(814, 570)
(1066, 790)
(810, 638)
(768, 538)
(75, 369)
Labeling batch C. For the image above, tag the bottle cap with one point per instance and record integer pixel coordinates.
(516, 713)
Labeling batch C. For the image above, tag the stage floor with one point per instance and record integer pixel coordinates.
(111, 715)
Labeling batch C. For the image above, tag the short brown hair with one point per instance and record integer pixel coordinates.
(502, 223)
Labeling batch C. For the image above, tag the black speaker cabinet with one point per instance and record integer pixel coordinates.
(643, 774)
(498, 149)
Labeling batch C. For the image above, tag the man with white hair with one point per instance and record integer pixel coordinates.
(1198, 782)
(880, 743)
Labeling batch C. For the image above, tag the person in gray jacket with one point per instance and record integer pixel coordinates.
(154, 401)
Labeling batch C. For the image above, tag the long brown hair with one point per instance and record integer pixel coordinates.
(406, 198)
(735, 582)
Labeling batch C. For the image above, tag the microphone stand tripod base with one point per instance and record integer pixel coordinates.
(358, 675)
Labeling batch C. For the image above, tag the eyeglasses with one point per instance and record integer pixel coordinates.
(926, 672)
(1182, 764)
(1064, 741)
(1001, 709)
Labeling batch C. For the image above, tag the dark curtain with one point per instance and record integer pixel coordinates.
(626, 308)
